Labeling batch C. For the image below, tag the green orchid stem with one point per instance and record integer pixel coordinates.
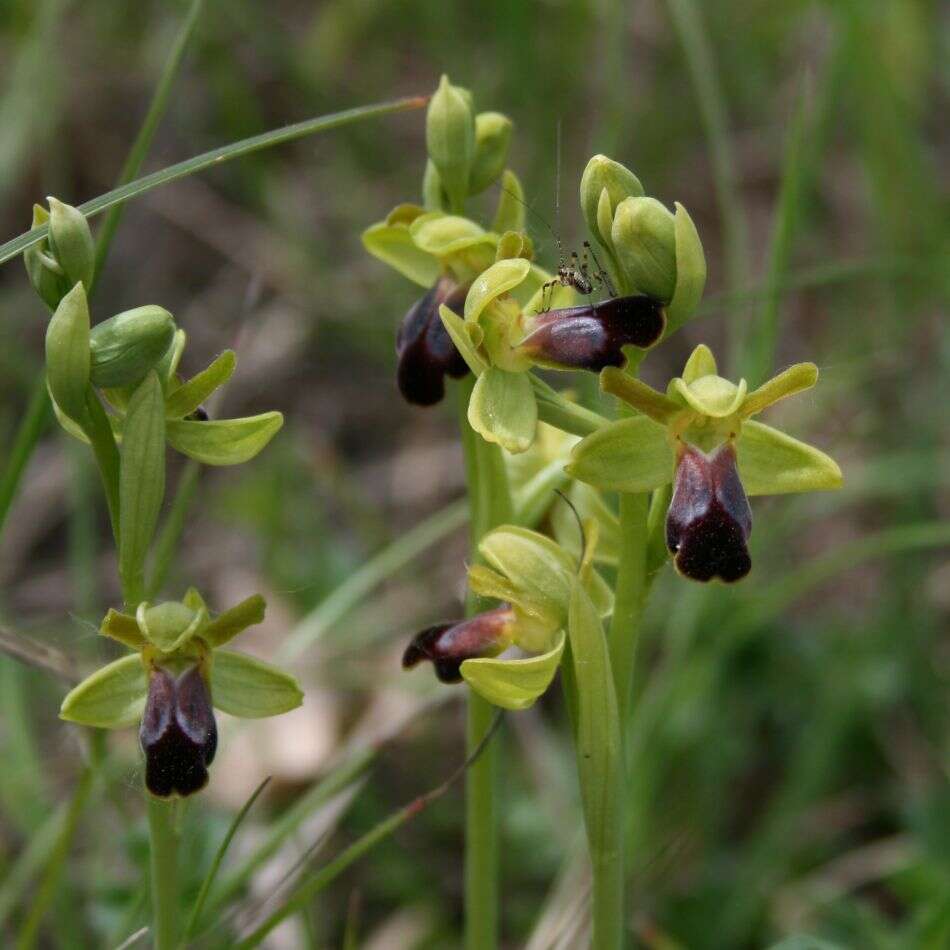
(489, 506)
(163, 838)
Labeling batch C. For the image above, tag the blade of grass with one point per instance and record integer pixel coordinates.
(217, 156)
(206, 884)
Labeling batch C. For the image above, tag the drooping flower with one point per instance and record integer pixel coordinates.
(700, 435)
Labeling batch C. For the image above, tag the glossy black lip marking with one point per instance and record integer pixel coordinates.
(709, 519)
(592, 336)
(425, 351)
(448, 645)
(178, 733)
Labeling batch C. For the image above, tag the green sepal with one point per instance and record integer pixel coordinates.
(514, 683)
(793, 380)
(773, 463)
(224, 441)
(125, 347)
(461, 333)
(485, 582)
(701, 362)
(71, 243)
(644, 242)
(393, 245)
(227, 625)
(170, 626)
(690, 271)
(111, 698)
(141, 476)
(67, 354)
(124, 628)
(450, 139)
(638, 394)
(249, 688)
(498, 279)
(503, 409)
(632, 455)
(509, 214)
(492, 140)
(710, 396)
(184, 400)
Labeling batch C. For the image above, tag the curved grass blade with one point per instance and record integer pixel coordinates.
(218, 156)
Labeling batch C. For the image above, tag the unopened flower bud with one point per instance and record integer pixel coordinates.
(448, 645)
(604, 173)
(492, 140)
(70, 243)
(125, 347)
(425, 351)
(709, 519)
(450, 138)
(46, 275)
(644, 242)
(179, 735)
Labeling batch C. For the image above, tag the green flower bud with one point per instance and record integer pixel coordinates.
(603, 173)
(125, 347)
(45, 273)
(67, 354)
(450, 138)
(433, 195)
(492, 140)
(71, 244)
(644, 242)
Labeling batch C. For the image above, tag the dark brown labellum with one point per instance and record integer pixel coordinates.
(709, 519)
(178, 734)
(425, 351)
(593, 336)
(448, 645)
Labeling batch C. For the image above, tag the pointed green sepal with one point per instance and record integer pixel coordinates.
(67, 354)
(773, 463)
(632, 455)
(111, 698)
(638, 394)
(224, 441)
(124, 628)
(503, 409)
(393, 245)
(486, 582)
(226, 626)
(514, 683)
(184, 400)
(249, 688)
(793, 380)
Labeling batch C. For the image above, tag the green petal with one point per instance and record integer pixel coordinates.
(638, 394)
(224, 441)
(630, 455)
(124, 628)
(514, 684)
(701, 362)
(112, 698)
(393, 245)
(501, 277)
(250, 688)
(503, 409)
(690, 271)
(184, 400)
(67, 354)
(509, 215)
(228, 625)
(773, 463)
(711, 395)
(170, 625)
(795, 379)
(461, 333)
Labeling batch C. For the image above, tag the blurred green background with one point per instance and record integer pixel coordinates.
(791, 739)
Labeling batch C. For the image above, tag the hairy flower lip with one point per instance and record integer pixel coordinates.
(709, 518)
(179, 735)
(448, 645)
(425, 351)
(592, 336)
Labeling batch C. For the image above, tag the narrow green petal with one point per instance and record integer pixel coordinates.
(630, 455)
(112, 698)
(690, 271)
(503, 409)
(224, 441)
(228, 625)
(501, 277)
(773, 463)
(638, 394)
(393, 245)
(701, 362)
(461, 333)
(189, 396)
(124, 628)
(514, 684)
(249, 688)
(795, 379)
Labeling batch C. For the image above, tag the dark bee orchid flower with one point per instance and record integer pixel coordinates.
(179, 735)
(425, 351)
(709, 518)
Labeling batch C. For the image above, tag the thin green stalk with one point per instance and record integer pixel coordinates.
(489, 506)
(163, 839)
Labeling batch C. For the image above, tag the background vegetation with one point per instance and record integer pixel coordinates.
(792, 735)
